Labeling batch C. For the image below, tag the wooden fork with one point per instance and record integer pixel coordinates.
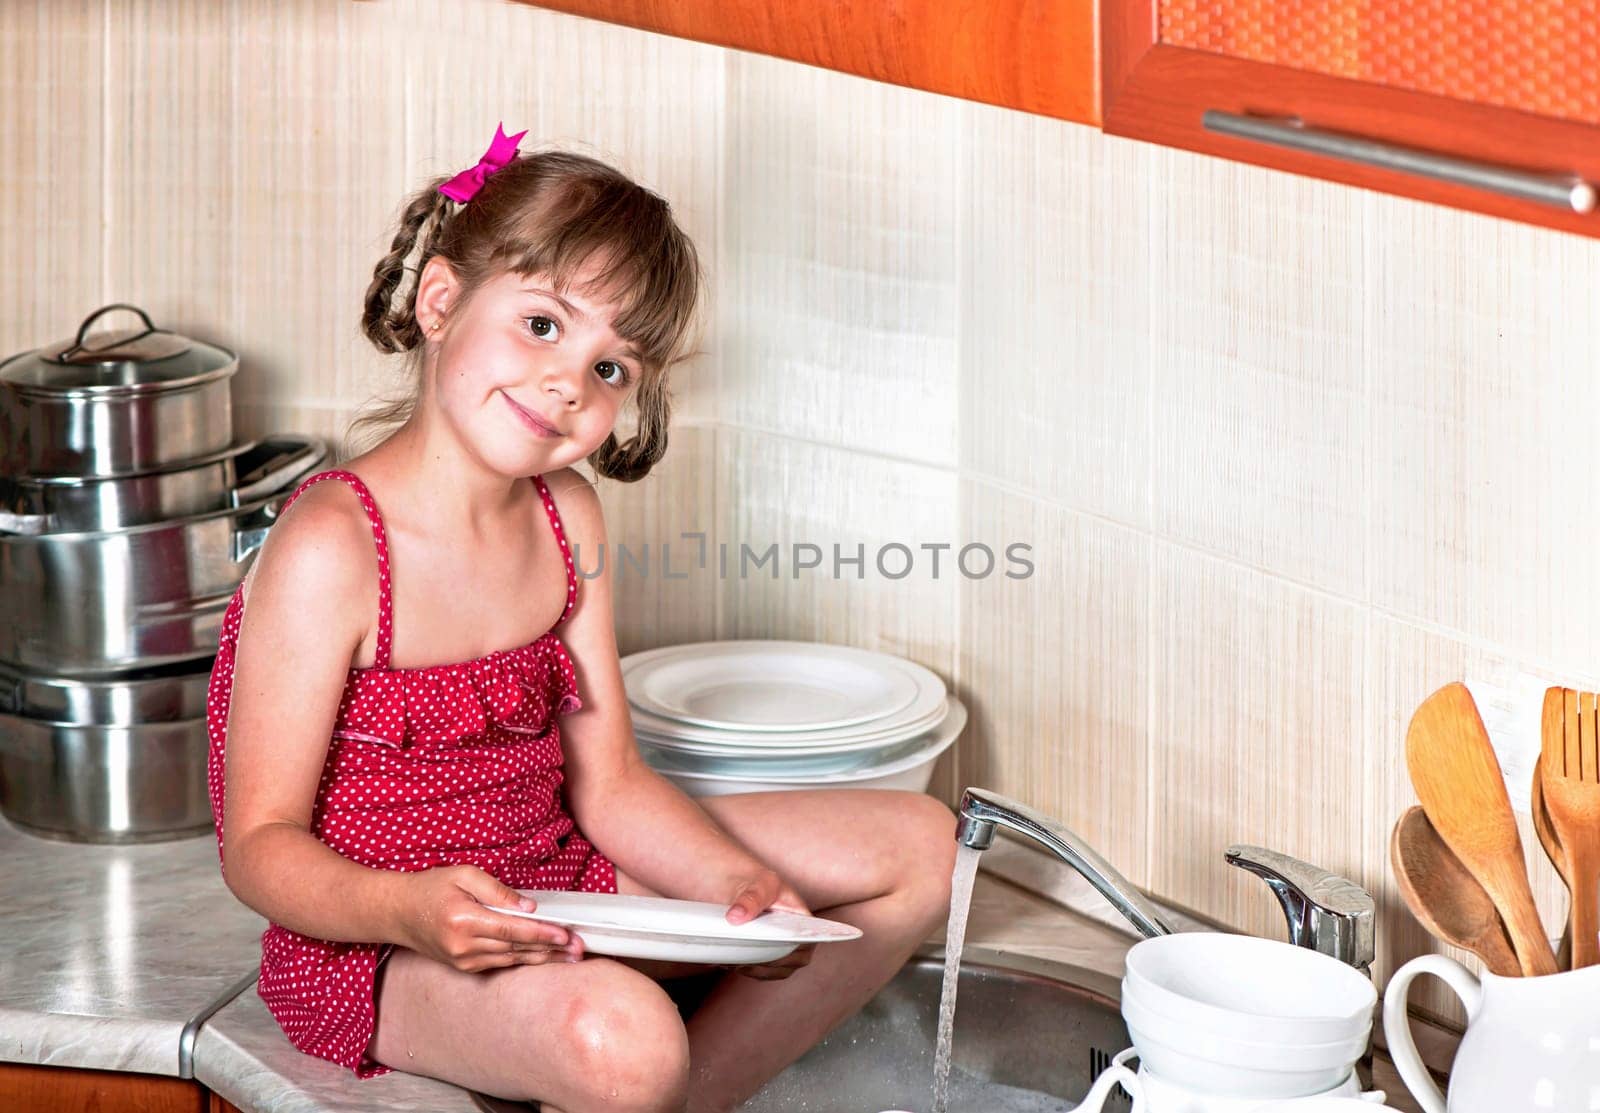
(1569, 766)
(1553, 851)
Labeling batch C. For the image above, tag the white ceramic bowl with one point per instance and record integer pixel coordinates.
(1247, 988)
(1321, 1105)
(911, 772)
(777, 765)
(1162, 1096)
(1227, 1051)
(1267, 1079)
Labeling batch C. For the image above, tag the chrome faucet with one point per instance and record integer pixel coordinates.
(1326, 912)
(982, 811)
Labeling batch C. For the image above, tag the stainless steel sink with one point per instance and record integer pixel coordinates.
(1030, 1036)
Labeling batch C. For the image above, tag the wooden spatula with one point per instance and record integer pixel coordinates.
(1552, 850)
(1444, 897)
(1570, 769)
(1458, 780)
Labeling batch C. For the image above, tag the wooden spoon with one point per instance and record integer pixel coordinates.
(1552, 850)
(1570, 772)
(1444, 897)
(1458, 780)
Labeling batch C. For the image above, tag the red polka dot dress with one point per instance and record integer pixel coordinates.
(442, 765)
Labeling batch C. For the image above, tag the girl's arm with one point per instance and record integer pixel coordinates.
(312, 599)
(640, 820)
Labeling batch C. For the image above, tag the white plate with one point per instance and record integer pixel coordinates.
(678, 930)
(910, 772)
(849, 739)
(711, 690)
(769, 685)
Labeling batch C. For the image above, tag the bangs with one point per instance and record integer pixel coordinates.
(640, 261)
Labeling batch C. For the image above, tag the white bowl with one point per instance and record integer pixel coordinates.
(1265, 1080)
(1254, 989)
(1162, 1096)
(663, 757)
(1321, 1104)
(910, 772)
(1225, 1051)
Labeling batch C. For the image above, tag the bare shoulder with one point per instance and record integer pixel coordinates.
(578, 503)
(321, 552)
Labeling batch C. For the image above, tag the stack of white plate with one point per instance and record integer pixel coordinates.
(756, 716)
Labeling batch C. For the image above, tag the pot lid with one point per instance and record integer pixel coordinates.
(122, 361)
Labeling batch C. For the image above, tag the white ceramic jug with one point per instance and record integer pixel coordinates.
(1531, 1043)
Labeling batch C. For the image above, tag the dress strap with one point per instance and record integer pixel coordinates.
(561, 538)
(381, 540)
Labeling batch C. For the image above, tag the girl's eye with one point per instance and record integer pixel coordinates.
(544, 328)
(612, 372)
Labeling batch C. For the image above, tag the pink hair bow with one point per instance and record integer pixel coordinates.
(465, 185)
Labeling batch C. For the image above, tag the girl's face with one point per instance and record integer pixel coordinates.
(530, 377)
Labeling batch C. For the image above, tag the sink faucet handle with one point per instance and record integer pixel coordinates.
(1326, 912)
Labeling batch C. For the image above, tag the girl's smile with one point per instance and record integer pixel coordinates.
(539, 425)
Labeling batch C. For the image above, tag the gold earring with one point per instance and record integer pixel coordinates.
(435, 326)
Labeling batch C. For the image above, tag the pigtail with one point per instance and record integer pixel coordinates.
(632, 461)
(390, 328)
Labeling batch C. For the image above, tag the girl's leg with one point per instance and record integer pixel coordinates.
(576, 1037)
(876, 859)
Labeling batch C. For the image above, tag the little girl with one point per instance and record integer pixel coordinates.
(415, 710)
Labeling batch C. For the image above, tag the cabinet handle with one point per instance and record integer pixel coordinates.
(1564, 191)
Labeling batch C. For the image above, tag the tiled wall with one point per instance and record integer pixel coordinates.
(1288, 455)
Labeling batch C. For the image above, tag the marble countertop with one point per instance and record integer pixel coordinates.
(107, 952)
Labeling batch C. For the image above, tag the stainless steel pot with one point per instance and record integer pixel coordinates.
(139, 400)
(81, 604)
(110, 784)
(73, 504)
(127, 699)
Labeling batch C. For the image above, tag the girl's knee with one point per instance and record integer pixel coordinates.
(628, 1045)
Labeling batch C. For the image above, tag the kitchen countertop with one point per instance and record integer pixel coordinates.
(106, 953)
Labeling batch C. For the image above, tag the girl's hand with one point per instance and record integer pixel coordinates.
(444, 918)
(754, 896)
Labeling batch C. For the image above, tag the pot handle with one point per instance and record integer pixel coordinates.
(292, 457)
(1397, 1024)
(83, 329)
(250, 530)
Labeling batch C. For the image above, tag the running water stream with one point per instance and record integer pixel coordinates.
(955, 936)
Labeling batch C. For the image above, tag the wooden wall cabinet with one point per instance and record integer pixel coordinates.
(1510, 85)
(1036, 55)
(1513, 84)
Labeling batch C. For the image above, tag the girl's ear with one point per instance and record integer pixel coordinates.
(437, 290)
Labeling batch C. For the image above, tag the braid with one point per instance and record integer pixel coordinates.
(390, 329)
(632, 461)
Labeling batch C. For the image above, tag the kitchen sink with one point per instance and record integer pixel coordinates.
(1030, 1036)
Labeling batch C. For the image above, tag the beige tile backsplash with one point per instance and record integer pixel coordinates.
(1289, 456)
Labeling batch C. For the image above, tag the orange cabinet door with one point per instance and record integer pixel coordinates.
(1490, 105)
(27, 1086)
(1036, 55)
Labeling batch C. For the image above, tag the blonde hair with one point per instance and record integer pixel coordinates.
(551, 213)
